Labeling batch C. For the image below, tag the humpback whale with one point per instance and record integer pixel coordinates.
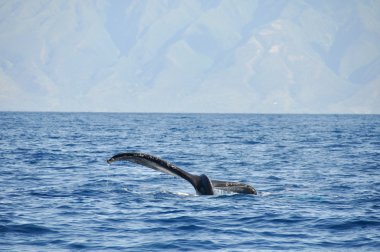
(202, 184)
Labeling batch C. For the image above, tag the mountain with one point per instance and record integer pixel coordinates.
(190, 56)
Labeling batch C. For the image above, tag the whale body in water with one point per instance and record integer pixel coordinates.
(201, 183)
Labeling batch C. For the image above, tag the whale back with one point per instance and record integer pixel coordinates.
(204, 186)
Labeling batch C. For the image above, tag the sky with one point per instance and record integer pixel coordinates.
(236, 56)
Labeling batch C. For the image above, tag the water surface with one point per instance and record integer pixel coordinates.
(317, 176)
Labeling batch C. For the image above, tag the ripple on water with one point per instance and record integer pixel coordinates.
(316, 177)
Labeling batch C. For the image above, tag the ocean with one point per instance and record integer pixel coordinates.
(317, 177)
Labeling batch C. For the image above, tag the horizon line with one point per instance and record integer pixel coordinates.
(158, 112)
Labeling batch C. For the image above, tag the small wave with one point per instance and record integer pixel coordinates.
(251, 142)
(183, 194)
(77, 245)
(274, 178)
(166, 193)
(25, 229)
(353, 224)
(49, 194)
(265, 194)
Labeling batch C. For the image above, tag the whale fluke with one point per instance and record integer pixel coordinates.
(202, 184)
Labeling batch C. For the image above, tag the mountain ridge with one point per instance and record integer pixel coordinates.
(173, 56)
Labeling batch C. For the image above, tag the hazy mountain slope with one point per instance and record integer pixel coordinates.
(190, 56)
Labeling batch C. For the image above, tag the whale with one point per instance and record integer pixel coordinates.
(201, 183)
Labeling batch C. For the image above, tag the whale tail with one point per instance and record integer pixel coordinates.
(202, 184)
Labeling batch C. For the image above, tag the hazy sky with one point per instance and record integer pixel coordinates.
(190, 56)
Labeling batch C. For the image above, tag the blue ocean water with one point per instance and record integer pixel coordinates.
(318, 179)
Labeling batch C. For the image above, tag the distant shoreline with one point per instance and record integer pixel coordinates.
(191, 113)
